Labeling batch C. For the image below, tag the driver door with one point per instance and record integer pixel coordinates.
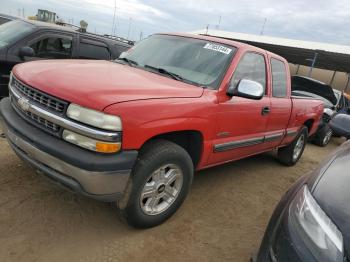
(242, 122)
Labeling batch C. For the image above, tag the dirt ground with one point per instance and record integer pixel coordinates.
(223, 218)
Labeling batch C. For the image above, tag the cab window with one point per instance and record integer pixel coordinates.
(252, 67)
(279, 78)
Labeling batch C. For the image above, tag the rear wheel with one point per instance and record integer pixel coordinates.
(323, 136)
(160, 182)
(291, 154)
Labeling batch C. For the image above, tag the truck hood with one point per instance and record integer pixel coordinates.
(98, 84)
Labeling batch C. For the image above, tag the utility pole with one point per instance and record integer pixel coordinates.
(115, 10)
(332, 79)
(218, 25)
(115, 30)
(313, 64)
(206, 32)
(347, 83)
(23, 13)
(141, 35)
(263, 27)
(130, 19)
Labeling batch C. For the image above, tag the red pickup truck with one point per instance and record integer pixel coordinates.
(134, 130)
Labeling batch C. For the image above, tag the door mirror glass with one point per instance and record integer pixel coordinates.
(248, 89)
(26, 51)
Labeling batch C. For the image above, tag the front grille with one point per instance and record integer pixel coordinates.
(47, 124)
(42, 100)
(39, 97)
(37, 120)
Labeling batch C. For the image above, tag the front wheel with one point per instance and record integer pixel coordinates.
(291, 154)
(160, 182)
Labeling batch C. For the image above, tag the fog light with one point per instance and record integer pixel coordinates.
(89, 143)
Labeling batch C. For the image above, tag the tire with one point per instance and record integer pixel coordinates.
(288, 155)
(159, 163)
(323, 136)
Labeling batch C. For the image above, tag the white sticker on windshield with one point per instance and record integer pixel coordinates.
(218, 48)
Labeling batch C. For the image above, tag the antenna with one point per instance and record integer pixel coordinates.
(263, 27)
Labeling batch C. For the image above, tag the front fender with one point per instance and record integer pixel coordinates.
(143, 120)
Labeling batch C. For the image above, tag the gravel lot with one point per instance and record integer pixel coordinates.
(223, 218)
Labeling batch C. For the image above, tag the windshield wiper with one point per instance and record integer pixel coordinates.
(130, 62)
(165, 72)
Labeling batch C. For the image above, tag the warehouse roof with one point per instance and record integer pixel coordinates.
(329, 56)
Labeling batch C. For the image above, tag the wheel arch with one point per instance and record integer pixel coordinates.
(190, 140)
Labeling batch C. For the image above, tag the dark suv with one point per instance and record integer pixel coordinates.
(23, 41)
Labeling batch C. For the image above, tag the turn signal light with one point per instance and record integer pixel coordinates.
(107, 147)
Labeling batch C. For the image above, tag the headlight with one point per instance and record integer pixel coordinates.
(319, 234)
(94, 118)
(89, 143)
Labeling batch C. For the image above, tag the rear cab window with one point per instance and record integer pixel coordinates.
(279, 78)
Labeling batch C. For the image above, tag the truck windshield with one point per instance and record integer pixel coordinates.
(186, 59)
(14, 30)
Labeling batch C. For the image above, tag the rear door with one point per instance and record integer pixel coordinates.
(242, 122)
(281, 103)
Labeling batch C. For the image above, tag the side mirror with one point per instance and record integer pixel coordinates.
(340, 124)
(247, 89)
(26, 51)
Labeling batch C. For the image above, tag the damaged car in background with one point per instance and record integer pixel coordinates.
(334, 101)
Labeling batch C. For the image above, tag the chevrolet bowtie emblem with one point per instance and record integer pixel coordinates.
(24, 104)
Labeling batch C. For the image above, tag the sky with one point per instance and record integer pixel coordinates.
(310, 20)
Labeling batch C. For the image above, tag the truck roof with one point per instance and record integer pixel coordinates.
(226, 42)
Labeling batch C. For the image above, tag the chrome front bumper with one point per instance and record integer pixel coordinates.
(107, 186)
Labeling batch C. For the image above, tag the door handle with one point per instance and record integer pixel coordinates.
(265, 110)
